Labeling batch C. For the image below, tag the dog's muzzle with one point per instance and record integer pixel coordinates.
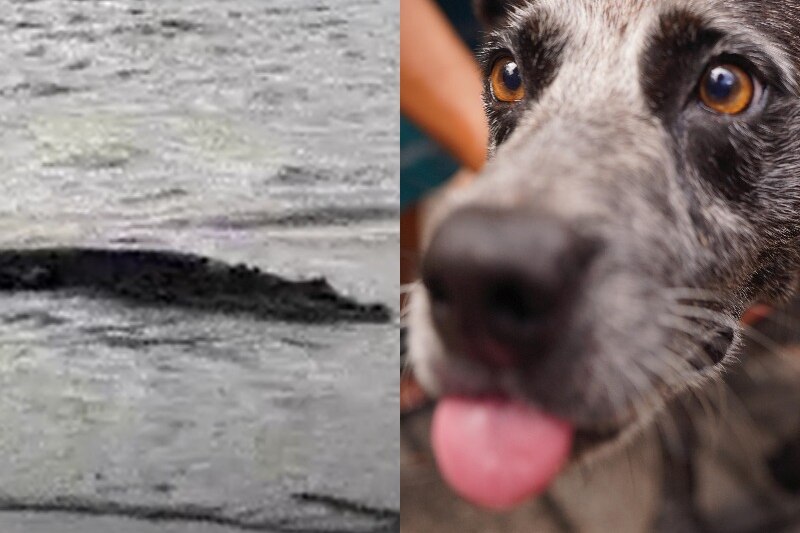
(502, 283)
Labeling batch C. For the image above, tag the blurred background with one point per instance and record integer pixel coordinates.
(443, 131)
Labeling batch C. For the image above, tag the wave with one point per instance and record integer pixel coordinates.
(321, 216)
(380, 520)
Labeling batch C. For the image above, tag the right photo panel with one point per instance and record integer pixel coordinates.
(600, 251)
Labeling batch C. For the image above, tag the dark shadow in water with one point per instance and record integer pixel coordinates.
(182, 280)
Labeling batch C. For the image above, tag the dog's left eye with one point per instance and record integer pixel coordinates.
(506, 81)
(727, 89)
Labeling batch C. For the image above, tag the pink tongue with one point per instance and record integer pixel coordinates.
(497, 453)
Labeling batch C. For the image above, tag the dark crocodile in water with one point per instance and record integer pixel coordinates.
(181, 280)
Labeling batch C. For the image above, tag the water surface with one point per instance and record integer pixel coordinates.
(249, 131)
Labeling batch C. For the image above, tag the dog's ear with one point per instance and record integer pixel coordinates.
(492, 13)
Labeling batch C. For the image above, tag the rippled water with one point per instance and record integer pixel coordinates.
(253, 131)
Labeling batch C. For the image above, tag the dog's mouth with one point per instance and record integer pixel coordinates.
(497, 452)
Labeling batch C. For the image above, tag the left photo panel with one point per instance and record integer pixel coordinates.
(199, 266)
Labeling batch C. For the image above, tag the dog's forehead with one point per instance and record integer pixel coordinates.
(589, 36)
(613, 34)
(611, 11)
(622, 12)
(612, 21)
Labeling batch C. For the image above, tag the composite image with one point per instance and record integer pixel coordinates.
(400, 266)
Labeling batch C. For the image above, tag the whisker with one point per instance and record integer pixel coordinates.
(757, 337)
(772, 347)
(683, 325)
(698, 392)
(698, 335)
(783, 318)
(692, 293)
(703, 313)
(409, 287)
(734, 416)
(748, 331)
(649, 407)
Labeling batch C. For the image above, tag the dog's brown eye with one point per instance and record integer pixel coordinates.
(506, 81)
(727, 89)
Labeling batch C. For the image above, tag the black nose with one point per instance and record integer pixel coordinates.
(501, 283)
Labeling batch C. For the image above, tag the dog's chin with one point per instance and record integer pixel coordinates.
(595, 442)
(599, 428)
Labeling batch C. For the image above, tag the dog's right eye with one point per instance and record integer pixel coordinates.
(506, 81)
(727, 89)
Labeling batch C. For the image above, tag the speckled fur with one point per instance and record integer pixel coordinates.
(682, 198)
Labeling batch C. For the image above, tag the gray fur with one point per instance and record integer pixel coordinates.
(591, 150)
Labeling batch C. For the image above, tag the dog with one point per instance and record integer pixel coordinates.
(642, 193)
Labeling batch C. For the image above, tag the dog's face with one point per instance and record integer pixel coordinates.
(643, 191)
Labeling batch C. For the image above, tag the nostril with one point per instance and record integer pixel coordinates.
(586, 249)
(437, 290)
(512, 305)
(439, 299)
(506, 302)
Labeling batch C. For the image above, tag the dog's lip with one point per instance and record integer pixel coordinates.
(588, 438)
(414, 399)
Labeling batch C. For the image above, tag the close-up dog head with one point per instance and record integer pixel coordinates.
(643, 191)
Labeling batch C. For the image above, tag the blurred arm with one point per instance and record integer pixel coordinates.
(440, 83)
